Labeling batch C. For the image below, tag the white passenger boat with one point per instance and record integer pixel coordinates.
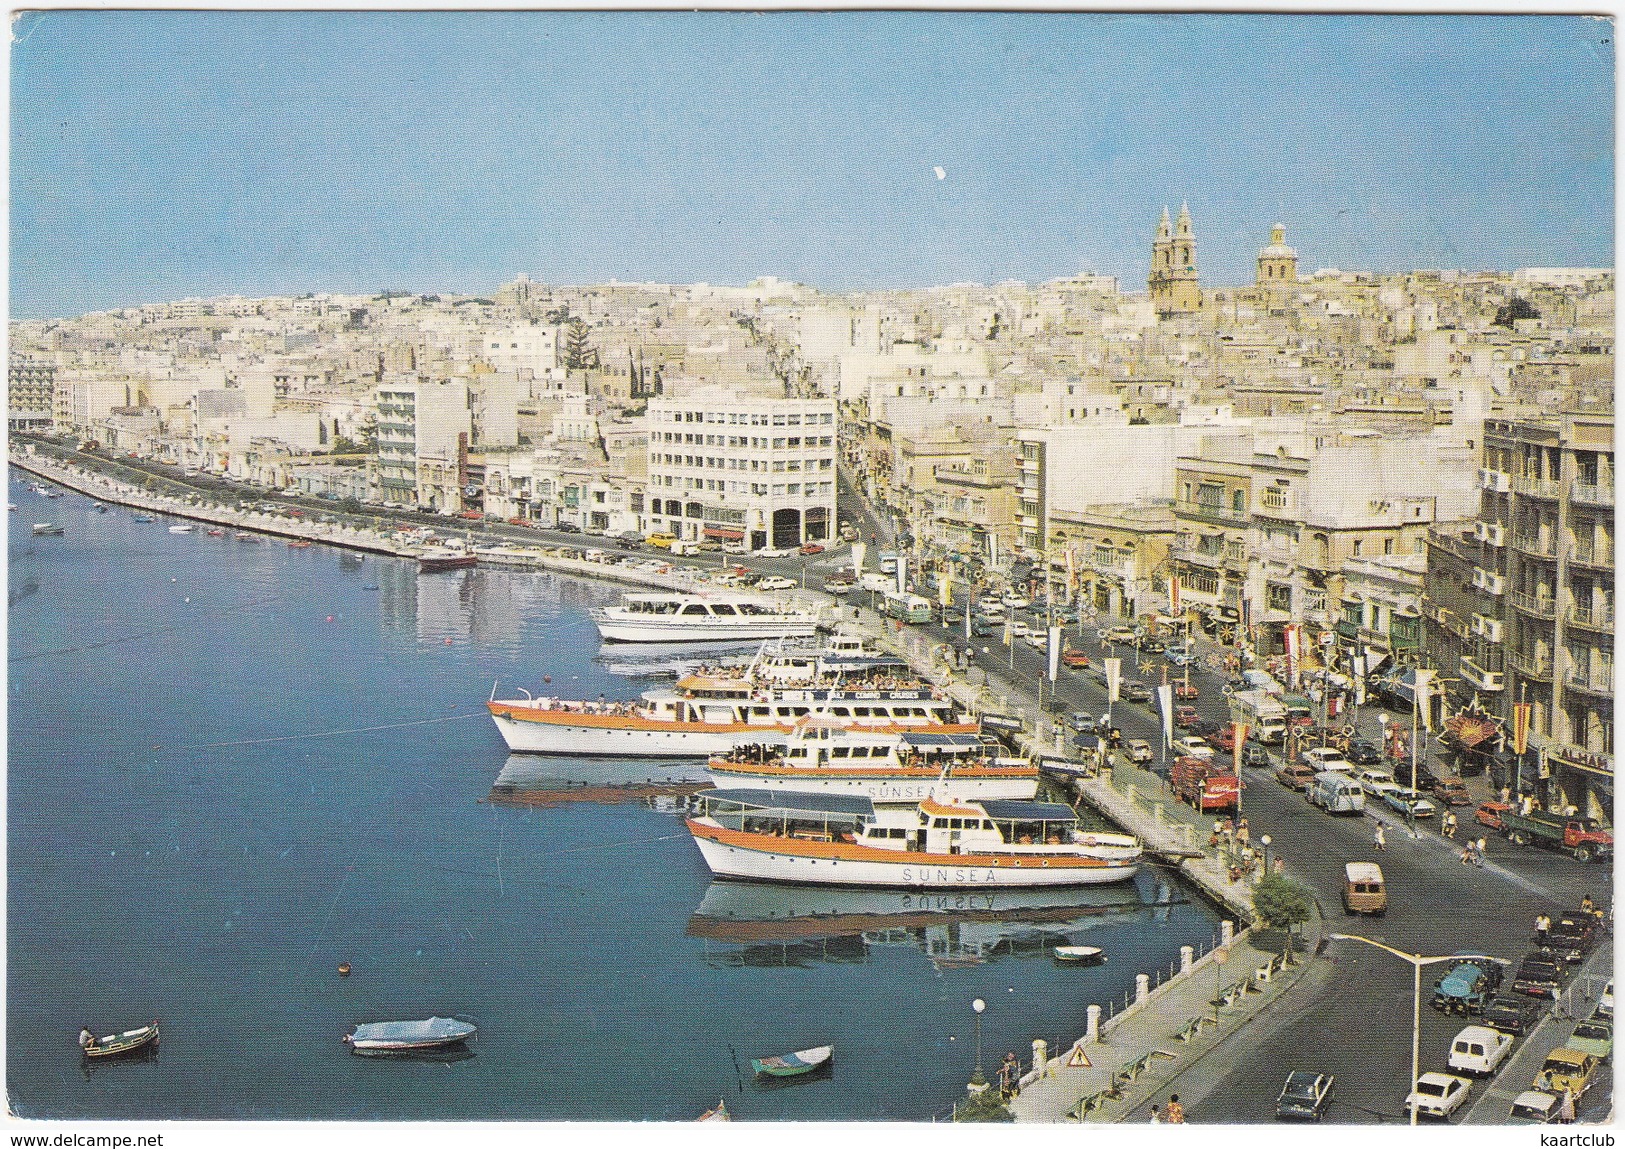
(47, 529)
(716, 709)
(822, 757)
(181, 529)
(674, 616)
(829, 839)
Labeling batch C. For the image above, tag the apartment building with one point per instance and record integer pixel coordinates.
(734, 467)
(423, 434)
(30, 394)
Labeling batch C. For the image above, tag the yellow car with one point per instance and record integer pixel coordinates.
(1567, 1069)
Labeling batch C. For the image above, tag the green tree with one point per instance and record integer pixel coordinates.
(579, 353)
(984, 1106)
(1282, 904)
(1518, 308)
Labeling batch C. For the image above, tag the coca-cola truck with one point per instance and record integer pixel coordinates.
(1206, 783)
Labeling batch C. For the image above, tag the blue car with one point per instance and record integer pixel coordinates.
(1179, 655)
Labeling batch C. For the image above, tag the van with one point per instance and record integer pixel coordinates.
(1262, 680)
(1364, 891)
(871, 580)
(1336, 793)
(661, 539)
(1479, 1050)
(888, 562)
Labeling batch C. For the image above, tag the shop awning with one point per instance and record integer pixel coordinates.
(724, 533)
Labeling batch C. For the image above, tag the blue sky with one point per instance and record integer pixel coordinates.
(157, 155)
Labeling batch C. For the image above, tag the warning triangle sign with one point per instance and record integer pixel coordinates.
(1078, 1059)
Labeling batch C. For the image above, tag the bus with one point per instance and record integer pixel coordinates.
(911, 608)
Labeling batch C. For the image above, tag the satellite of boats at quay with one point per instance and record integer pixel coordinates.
(765, 924)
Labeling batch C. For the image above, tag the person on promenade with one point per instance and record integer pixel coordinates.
(1542, 924)
(1242, 834)
(1566, 1108)
(1378, 840)
(1009, 1074)
(1156, 1118)
(1175, 1113)
(1448, 826)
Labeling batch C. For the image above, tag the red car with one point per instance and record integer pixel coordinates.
(1185, 716)
(1224, 738)
(1185, 690)
(812, 548)
(1075, 659)
(1489, 814)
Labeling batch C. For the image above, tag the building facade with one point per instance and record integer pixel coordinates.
(1174, 284)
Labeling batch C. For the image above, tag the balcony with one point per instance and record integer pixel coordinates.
(1592, 493)
(1596, 682)
(1530, 665)
(1492, 533)
(1537, 606)
(1494, 480)
(1539, 488)
(1591, 617)
(1212, 513)
(1587, 555)
(1535, 545)
(1485, 679)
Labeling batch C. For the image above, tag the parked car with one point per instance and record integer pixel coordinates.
(775, 552)
(1117, 635)
(1193, 746)
(812, 548)
(1568, 1069)
(1594, 1035)
(1075, 659)
(1081, 720)
(567, 528)
(776, 582)
(1037, 640)
(1540, 975)
(1533, 1107)
(1512, 1014)
(1180, 655)
(1305, 1096)
(1224, 738)
(1452, 792)
(1139, 750)
(1363, 753)
(1019, 630)
(1437, 1095)
(1186, 690)
(1571, 936)
(1605, 1004)
(1185, 715)
(1409, 803)
(1252, 754)
(1326, 758)
(1379, 790)
(1135, 691)
(1489, 814)
(1478, 1051)
(1294, 775)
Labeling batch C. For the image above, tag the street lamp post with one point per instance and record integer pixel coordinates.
(1417, 962)
(978, 1005)
(1265, 842)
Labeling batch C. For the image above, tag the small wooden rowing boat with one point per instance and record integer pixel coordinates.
(796, 1064)
(720, 1113)
(1082, 955)
(118, 1044)
(406, 1036)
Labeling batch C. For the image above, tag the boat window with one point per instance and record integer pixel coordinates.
(800, 711)
(837, 752)
(759, 711)
(861, 711)
(693, 608)
(842, 712)
(722, 608)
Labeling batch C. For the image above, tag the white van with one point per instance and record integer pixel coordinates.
(871, 580)
(1262, 680)
(1479, 1050)
(1336, 793)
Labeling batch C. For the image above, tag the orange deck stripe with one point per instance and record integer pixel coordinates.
(852, 852)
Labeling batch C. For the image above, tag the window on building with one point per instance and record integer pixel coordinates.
(1278, 596)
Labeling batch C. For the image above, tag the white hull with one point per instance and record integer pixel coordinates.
(712, 630)
(679, 740)
(878, 789)
(910, 871)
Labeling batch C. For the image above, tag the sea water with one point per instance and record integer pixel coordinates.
(234, 766)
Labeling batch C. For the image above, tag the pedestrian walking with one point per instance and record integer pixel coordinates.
(1378, 840)
(1566, 1108)
(1542, 924)
(1009, 1073)
(1156, 1118)
(1448, 827)
(1175, 1113)
(1243, 835)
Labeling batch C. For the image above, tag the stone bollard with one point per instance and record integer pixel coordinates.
(1186, 954)
(1041, 1056)
(1142, 986)
(1227, 932)
(1091, 1032)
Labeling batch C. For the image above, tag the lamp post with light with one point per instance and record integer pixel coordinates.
(977, 1077)
(1264, 840)
(1417, 962)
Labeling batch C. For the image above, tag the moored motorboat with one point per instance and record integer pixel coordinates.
(432, 561)
(118, 1044)
(300, 544)
(214, 532)
(797, 1064)
(1082, 955)
(830, 839)
(181, 529)
(718, 709)
(674, 616)
(47, 529)
(101, 508)
(144, 518)
(409, 1036)
(824, 757)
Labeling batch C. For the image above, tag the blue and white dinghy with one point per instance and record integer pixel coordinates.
(408, 1036)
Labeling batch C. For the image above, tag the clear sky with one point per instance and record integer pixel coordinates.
(157, 155)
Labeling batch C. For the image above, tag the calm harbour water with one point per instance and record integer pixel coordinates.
(233, 766)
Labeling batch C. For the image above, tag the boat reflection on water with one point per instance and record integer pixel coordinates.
(527, 780)
(146, 1055)
(673, 659)
(779, 925)
(445, 1055)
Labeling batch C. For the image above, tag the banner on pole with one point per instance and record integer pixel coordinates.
(1165, 700)
(1114, 677)
(1520, 726)
(1054, 652)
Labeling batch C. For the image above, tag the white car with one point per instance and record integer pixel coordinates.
(1437, 1094)
(1117, 634)
(1321, 758)
(775, 552)
(1373, 782)
(1036, 640)
(776, 582)
(1193, 747)
(1404, 800)
(1605, 1005)
(1014, 601)
(1020, 630)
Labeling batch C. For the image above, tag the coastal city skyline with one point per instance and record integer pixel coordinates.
(846, 151)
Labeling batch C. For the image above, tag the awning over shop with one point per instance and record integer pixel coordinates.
(724, 533)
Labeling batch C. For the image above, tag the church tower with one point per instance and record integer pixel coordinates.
(1173, 282)
(1277, 263)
